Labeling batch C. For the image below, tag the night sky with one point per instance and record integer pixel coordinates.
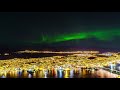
(74, 29)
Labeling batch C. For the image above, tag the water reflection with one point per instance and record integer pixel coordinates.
(29, 75)
(35, 75)
(56, 73)
(45, 73)
(71, 73)
(19, 74)
(59, 73)
(66, 74)
(40, 74)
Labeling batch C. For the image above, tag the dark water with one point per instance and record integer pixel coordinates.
(29, 55)
(83, 73)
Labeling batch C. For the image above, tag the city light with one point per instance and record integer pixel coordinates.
(59, 64)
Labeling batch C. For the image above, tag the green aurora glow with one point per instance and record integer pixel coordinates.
(104, 35)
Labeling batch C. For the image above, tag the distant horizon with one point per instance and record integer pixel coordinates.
(57, 48)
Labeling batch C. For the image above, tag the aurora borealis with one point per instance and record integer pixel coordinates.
(104, 35)
(86, 29)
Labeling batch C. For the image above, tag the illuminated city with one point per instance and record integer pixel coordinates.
(59, 45)
(66, 66)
